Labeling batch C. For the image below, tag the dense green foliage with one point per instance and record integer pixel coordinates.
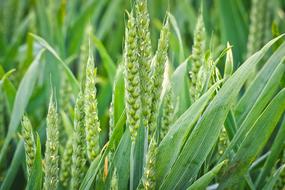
(142, 94)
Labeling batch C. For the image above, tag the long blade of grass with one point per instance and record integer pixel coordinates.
(248, 100)
(254, 142)
(68, 72)
(108, 18)
(179, 37)
(206, 179)
(180, 84)
(273, 156)
(108, 63)
(178, 133)
(120, 162)
(272, 180)
(14, 167)
(206, 132)
(266, 95)
(23, 95)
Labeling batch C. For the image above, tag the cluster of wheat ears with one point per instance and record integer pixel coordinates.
(193, 128)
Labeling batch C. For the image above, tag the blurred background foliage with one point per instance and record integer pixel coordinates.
(64, 25)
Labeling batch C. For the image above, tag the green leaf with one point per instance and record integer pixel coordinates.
(92, 172)
(9, 89)
(137, 157)
(119, 94)
(233, 26)
(68, 72)
(14, 167)
(118, 131)
(77, 27)
(261, 102)
(35, 179)
(178, 34)
(180, 85)
(108, 63)
(206, 132)
(121, 161)
(108, 18)
(272, 180)
(254, 141)
(248, 100)
(23, 95)
(275, 151)
(206, 179)
(178, 133)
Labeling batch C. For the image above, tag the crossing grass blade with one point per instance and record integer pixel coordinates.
(68, 72)
(14, 167)
(273, 155)
(265, 96)
(248, 99)
(254, 141)
(178, 133)
(205, 134)
(23, 95)
(206, 179)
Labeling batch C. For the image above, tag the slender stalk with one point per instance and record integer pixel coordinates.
(132, 165)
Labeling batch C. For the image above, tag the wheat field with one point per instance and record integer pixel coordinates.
(142, 94)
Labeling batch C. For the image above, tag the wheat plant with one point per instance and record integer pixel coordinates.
(142, 94)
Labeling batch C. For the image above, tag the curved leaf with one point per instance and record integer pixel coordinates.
(23, 95)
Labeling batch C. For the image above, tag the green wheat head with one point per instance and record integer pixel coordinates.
(145, 56)
(158, 73)
(79, 144)
(132, 78)
(92, 124)
(52, 148)
(66, 163)
(29, 142)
